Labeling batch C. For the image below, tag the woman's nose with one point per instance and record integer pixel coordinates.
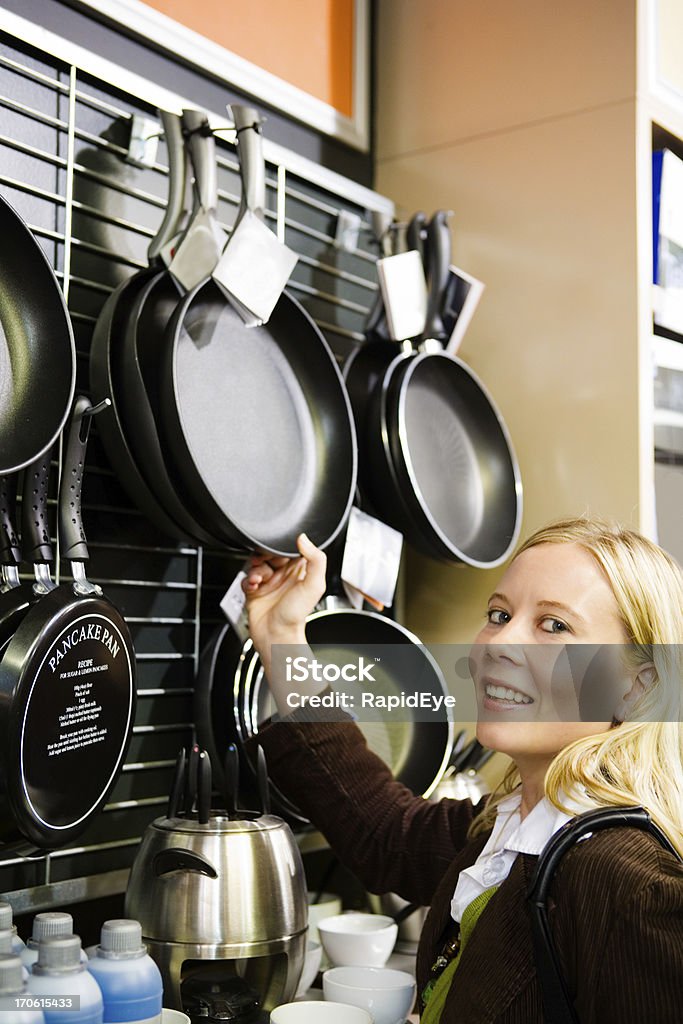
(504, 650)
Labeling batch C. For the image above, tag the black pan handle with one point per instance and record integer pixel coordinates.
(71, 533)
(232, 779)
(191, 780)
(204, 786)
(438, 260)
(35, 530)
(262, 776)
(10, 553)
(248, 124)
(202, 149)
(415, 234)
(173, 133)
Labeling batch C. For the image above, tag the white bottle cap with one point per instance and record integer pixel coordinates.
(6, 915)
(121, 938)
(51, 924)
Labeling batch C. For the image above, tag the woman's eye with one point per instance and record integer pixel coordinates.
(497, 617)
(551, 625)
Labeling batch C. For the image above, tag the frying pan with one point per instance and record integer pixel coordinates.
(135, 361)
(258, 418)
(67, 687)
(232, 700)
(365, 367)
(107, 342)
(37, 353)
(444, 470)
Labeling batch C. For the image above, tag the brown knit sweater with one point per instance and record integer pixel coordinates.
(616, 908)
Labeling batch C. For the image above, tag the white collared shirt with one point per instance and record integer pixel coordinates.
(509, 837)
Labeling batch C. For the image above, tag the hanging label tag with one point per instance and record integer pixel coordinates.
(234, 601)
(404, 291)
(372, 556)
(199, 251)
(461, 299)
(254, 269)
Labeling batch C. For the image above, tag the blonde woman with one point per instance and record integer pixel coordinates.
(617, 900)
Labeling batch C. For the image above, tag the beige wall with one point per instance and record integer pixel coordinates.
(520, 117)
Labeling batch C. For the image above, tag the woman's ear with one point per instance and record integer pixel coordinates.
(641, 682)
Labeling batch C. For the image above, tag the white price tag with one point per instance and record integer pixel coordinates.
(372, 556)
(233, 603)
(254, 269)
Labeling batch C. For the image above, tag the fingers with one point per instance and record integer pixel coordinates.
(265, 574)
(315, 565)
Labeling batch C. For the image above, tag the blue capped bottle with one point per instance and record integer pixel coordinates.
(131, 983)
(59, 974)
(13, 987)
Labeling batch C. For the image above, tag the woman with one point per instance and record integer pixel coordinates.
(617, 901)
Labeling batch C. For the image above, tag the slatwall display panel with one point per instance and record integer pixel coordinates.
(94, 213)
(336, 286)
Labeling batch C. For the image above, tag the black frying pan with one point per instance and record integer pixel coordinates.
(136, 359)
(443, 470)
(232, 699)
(119, 439)
(258, 418)
(37, 353)
(67, 687)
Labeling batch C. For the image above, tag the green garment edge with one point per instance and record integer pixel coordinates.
(439, 994)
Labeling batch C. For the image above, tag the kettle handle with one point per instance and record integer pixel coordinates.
(168, 862)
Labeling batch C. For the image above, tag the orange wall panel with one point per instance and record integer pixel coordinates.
(308, 43)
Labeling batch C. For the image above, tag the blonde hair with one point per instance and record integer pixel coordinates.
(638, 762)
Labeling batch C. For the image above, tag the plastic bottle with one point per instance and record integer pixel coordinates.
(59, 973)
(49, 925)
(7, 921)
(13, 984)
(131, 983)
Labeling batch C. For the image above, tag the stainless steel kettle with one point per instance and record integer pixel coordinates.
(221, 891)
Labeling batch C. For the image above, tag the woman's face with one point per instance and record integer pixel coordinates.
(527, 677)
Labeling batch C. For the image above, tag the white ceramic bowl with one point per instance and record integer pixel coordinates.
(386, 994)
(358, 940)
(316, 1012)
(327, 906)
(314, 952)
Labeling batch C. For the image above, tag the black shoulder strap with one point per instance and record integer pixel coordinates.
(557, 1005)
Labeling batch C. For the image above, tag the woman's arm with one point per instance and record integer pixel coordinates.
(392, 839)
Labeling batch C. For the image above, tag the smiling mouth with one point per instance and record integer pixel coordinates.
(497, 695)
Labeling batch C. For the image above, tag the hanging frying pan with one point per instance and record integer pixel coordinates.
(258, 418)
(232, 700)
(37, 353)
(366, 366)
(444, 472)
(107, 341)
(136, 360)
(67, 687)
